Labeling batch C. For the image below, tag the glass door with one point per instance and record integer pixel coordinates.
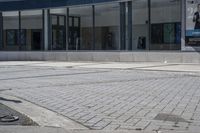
(74, 33)
(58, 32)
(80, 28)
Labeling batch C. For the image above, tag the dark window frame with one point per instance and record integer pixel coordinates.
(175, 32)
(16, 41)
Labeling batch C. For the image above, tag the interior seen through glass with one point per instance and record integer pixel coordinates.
(75, 31)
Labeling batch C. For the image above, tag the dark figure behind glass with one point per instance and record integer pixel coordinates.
(196, 18)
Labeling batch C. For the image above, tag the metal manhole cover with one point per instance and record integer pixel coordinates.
(169, 117)
(9, 116)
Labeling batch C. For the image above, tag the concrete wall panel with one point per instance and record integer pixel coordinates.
(167, 57)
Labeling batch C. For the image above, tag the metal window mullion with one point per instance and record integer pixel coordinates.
(67, 28)
(122, 26)
(46, 30)
(130, 27)
(93, 27)
(1, 32)
(149, 23)
(19, 31)
(49, 29)
(43, 32)
(183, 25)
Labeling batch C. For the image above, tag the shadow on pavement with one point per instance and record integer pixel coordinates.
(10, 100)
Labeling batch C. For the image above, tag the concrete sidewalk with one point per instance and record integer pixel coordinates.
(155, 66)
(12, 129)
(17, 129)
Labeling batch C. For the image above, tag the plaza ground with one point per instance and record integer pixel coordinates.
(110, 96)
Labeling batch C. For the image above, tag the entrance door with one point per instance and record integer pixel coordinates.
(74, 33)
(36, 39)
(58, 32)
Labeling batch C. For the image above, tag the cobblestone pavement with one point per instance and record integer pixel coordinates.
(110, 99)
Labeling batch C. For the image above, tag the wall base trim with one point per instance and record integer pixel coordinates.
(167, 57)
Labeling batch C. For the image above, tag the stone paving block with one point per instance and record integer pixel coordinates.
(109, 99)
(152, 127)
(184, 125)
(177, 112)
(152, 104)
(172, 128)
(194, 128)
(126, 127)
(102, 124)
(87, 117)
(187, 116)
(111, 127)
(133, 121)
(80, 114)
(142, 124)
(94, 120)
(124, 117)
(151, 115)
(142, 113)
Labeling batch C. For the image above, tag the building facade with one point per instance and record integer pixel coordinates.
(99, 25)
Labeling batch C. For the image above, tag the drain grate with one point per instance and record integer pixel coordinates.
(169, 117)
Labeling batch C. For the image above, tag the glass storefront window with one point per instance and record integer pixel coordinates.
(11, 30)
(62, 21)
(54, 20)
(31, 30)
(80, 28)
(11, 37)
(58, 28)
(107, 27)
(165, 25)
(192, 23)
(140, 25)
(159, 29)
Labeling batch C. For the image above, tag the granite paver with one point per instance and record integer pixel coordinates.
(109, 99)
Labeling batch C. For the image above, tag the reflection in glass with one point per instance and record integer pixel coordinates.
(31, 24)
(80, 28)
(140, 25)
(58, 25)
(58, 33)
(11, 37)
(107, 26)
(10, 30)
(165, 25)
